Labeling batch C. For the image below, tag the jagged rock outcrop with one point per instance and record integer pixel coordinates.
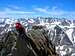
(59, 37)
(32, 43)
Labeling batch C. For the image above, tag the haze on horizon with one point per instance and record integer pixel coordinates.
(34, 8)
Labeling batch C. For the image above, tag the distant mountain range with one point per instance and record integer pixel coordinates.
(60, 31)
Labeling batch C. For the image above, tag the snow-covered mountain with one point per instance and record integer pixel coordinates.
(61, 32)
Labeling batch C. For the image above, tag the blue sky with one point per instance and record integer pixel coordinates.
(24, 8)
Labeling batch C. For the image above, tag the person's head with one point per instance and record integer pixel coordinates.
(18, 26)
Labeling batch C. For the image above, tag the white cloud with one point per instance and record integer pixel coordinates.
(41, 10)
(54, 11)
(14, 7)
(8, 12)
(54, 8)
(46, 11)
